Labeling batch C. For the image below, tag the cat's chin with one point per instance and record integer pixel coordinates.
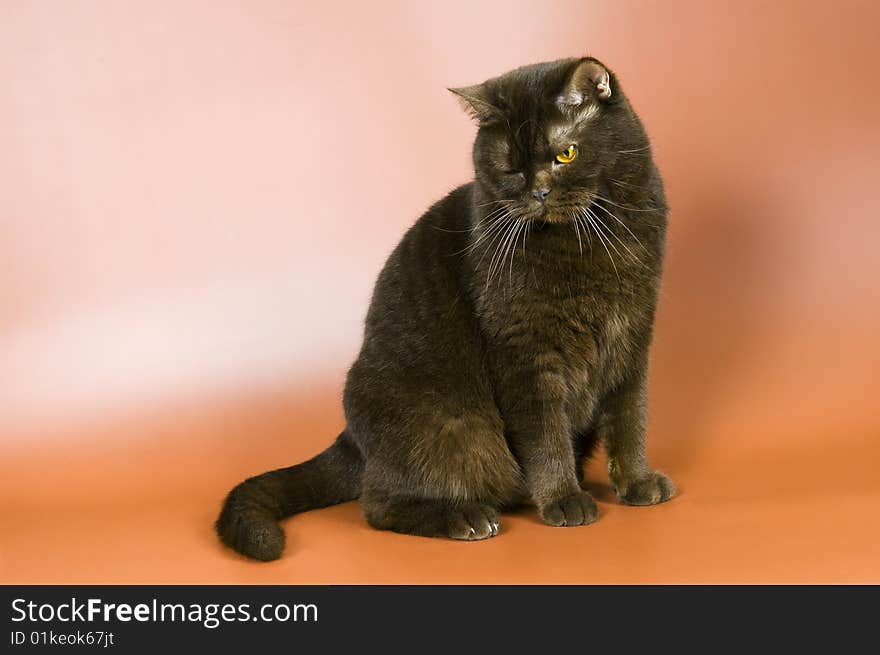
(550, 217)
(548, 222)
(554, 216)
(544, 215)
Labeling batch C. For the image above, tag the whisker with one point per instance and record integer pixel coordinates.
(612, 234)
(602, 241)
(520, 228)
(507, 250)
(498, 264)
(579, 224)
(627, 185)
(496, 224)
(498, 250)
(504, 248)
(625, 226)
(588, 232)
(495, 212)
(495, 238)
(627, 208)
(525, 238)
(578, 232)
(488, 245)
(493, 202)
(475, 244)
(470, 230)
(487, 218)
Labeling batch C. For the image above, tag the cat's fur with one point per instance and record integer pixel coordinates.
(506, 335)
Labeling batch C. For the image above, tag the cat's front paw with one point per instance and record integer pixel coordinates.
(652, 489)
(576, 509)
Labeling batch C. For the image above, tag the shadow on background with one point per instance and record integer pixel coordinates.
(725, 266)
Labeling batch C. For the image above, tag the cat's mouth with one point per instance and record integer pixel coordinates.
(566, 210)
(542, 213)
(563, 211)
(552, 215)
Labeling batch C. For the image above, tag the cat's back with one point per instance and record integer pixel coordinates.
(446, 224)
(423, 272)
(422, 345)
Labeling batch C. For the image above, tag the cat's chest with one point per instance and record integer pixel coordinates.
(582, 335)
(594, 332)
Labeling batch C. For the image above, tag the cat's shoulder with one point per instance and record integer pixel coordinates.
(450, 215)
(454, 205)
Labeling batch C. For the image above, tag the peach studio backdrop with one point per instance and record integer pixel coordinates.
(183, 287)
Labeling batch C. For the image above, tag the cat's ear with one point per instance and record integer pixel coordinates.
(588, 78)
(475, 100)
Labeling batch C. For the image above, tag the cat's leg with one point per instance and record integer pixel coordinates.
(548, 461)
(448, 477)
(621, 427)
(431, 517)
(539, 431)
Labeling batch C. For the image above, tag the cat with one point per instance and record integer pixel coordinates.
(508, 332)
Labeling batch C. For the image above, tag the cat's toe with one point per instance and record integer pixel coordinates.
(474, 522)
(576, 509)
(650, 490)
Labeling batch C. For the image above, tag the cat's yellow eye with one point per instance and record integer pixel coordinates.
(568, 156)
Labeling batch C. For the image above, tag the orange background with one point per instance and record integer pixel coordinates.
(183, 283)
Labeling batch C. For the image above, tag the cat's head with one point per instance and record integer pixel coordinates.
(550, 135)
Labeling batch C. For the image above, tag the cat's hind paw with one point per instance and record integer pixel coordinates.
(473, 522)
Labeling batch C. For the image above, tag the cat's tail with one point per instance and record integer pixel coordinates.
(249, 519)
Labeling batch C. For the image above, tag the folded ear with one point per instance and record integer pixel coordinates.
(476, 102)
(588, 77)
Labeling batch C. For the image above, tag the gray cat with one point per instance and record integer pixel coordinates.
(508, 332)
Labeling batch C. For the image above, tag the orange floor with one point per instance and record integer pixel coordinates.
(767, 501)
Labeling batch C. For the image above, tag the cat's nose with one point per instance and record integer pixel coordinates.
(541, 194)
